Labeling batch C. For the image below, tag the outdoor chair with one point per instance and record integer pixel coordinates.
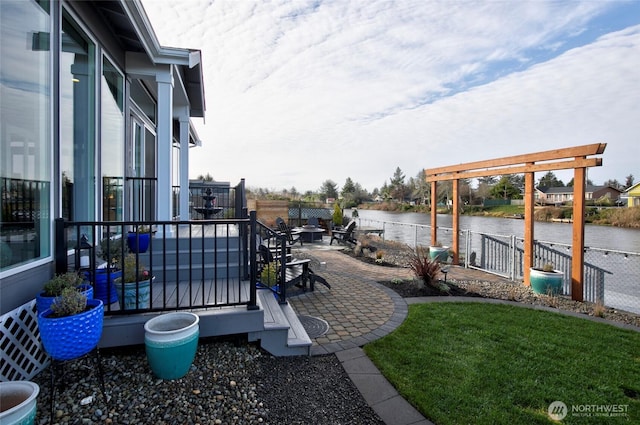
(297, 271)
(313, 221)
(344, 235)
(292, 235)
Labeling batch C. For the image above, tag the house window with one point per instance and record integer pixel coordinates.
(112, 141)
(77, 122)
(25, 132)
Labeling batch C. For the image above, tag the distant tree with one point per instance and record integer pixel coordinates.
(465, 192)
(588, 183)
(348, 194)
(614, 183)
(628, 181)
(504, 189)
(483, 190)
(385, 191)
(421, 189)
(550, 180)
(329, 189)
(294, 193)
(489, 180)
(206, 178)
(398, 188)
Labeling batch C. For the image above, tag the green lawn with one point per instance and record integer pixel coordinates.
(476, 363)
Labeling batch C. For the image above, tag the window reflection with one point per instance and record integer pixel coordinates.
(25, 160)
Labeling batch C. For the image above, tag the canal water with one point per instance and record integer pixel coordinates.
(605, 237)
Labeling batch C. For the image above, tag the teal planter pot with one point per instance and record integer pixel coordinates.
(171, 342)
(18, 402)
(548, 283)
(439, 253)
(132, 295)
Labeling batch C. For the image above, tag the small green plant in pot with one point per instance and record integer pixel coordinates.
(56, 285)
(134, 286)
(269, 274)
(546, 280)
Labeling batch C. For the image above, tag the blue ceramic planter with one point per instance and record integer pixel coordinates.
(138, 242)
(66, 338)
(103, 285)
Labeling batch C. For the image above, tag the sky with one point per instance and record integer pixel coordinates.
(300, 92)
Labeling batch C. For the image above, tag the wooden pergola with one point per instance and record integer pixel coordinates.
(557, 159)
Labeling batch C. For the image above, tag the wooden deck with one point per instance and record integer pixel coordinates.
(204, 294)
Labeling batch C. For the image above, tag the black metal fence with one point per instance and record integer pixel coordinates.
(186, 264)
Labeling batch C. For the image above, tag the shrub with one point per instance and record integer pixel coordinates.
(269, 274)
(337, 215)
(55, 286)
(424, 268)
(133, 270)
(69, 303)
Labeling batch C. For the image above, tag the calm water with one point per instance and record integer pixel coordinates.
(595, 236)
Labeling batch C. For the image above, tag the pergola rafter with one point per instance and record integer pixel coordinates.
(528, 164)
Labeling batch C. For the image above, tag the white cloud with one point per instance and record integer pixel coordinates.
(300, 92)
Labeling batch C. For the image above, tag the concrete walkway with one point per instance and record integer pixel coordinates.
(360, 310)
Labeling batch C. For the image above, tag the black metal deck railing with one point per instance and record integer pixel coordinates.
(192, 264)
(276, 244)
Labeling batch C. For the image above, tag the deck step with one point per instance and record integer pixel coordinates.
(283, 334)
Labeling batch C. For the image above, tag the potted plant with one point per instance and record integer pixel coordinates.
(134, 286)
(103, 277)
(546, 280)
(18, 400)
(439, 252)
(72, 326)
(138, 239)
(54, 287)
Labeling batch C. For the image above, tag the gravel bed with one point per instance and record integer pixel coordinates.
(229, 383)
(397, 254)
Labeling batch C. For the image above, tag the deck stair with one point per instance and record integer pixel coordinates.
(283, 334)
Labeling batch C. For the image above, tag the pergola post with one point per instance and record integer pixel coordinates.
(456, 220)
(577, 246)
(434, 212)
(529, 199)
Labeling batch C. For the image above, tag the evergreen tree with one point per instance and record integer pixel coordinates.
(550, 180)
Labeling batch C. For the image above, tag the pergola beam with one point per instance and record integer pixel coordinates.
(519, 169)
(554, 154)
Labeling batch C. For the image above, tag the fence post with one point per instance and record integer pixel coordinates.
(60, 246)
(253, 268)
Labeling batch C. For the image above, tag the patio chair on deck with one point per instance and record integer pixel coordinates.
(297, 271)
(344, 235)
(292, 235)
(313, 221)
